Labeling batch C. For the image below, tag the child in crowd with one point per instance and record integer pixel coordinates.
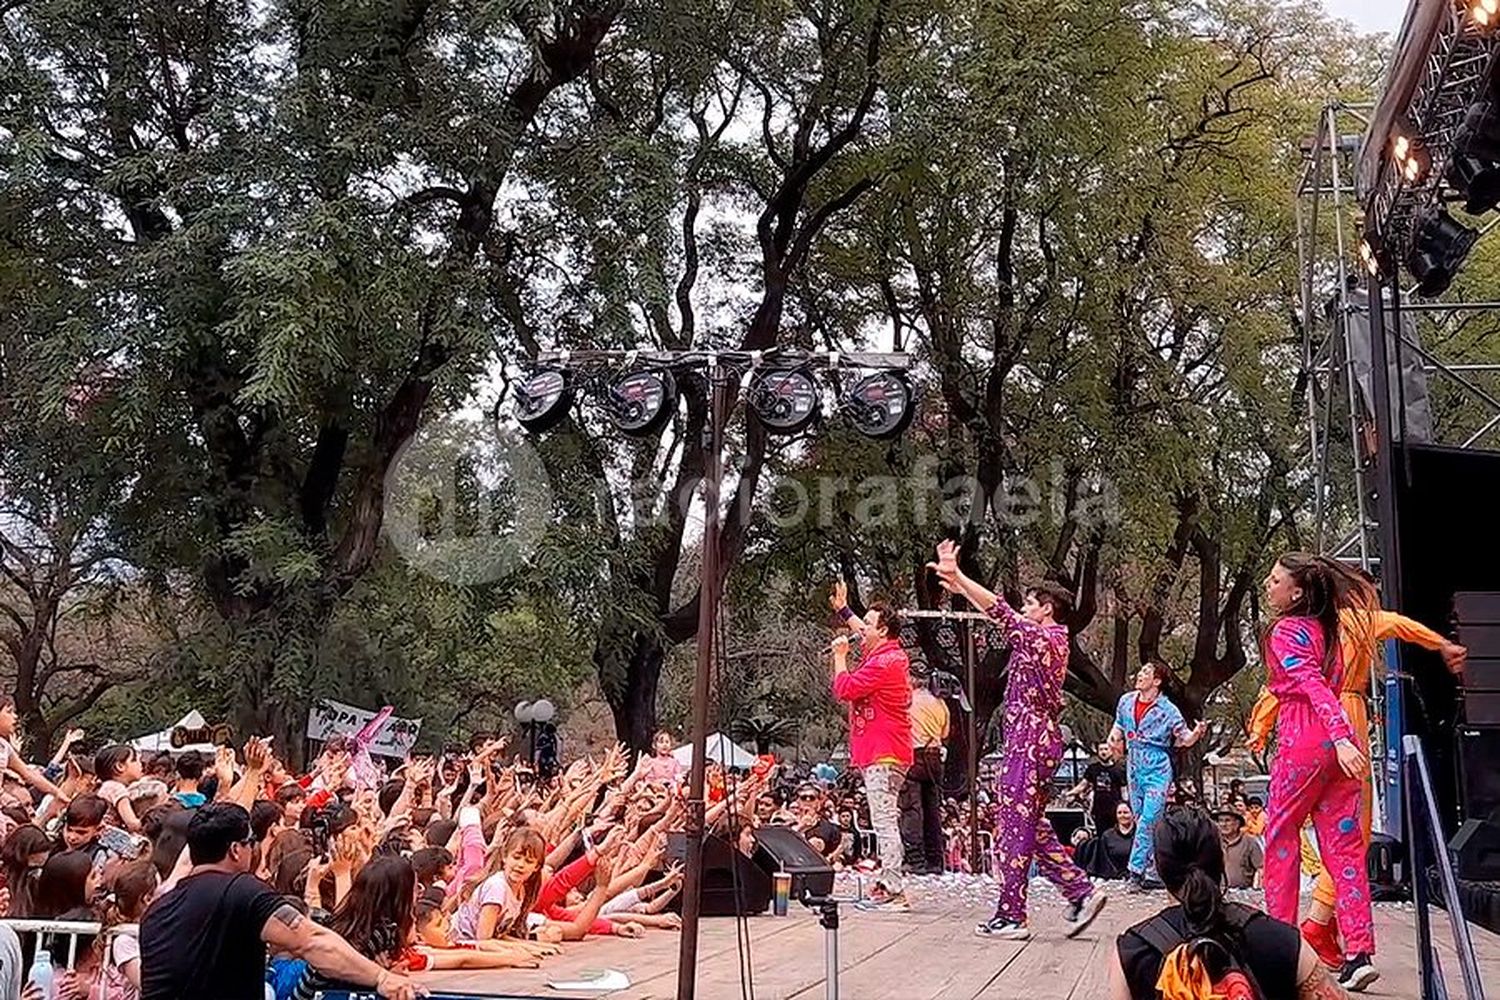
(132, 890)
(116, 766)
(661, 768)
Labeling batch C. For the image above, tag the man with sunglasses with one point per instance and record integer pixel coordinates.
(206, 938)
(821, 832)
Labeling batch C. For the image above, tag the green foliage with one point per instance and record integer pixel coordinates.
(275, 241)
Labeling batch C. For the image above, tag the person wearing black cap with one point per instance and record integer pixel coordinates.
(1243, 857)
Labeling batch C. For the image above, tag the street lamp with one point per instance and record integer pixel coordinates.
(531, 714)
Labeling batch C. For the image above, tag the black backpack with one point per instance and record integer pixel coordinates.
(1221, 961)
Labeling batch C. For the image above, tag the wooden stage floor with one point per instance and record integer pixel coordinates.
(927, 954)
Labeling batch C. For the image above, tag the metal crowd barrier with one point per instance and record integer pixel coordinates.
(71, 929)
(1428, 851)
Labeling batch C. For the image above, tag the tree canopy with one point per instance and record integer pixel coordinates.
(249, 250)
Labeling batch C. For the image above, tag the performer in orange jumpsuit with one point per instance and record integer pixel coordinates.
(1361, 630)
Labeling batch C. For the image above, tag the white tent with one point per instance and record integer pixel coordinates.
(720, 748)
(157, 742)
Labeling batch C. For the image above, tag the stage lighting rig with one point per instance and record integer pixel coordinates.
(1485, 13)
(880, 405)
(1474, 171)
(642, 401)
(1372, 256)
(542, 399)
(1438, 251)
(785, 400)
(1411, 159)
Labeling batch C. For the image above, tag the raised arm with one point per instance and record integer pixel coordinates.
(1389, 625)
(34, 778)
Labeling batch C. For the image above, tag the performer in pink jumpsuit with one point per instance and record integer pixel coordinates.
(1318, 769)
(1033, 750)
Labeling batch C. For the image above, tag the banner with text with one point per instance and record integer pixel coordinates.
(329, 718)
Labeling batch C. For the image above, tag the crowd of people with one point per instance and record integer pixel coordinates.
(228, 875)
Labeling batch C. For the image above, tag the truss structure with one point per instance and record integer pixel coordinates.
(1353, 188)
(1453, 77)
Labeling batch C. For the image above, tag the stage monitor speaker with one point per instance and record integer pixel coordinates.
(1479, 773)
(723, 867)
(1449, 549)
(1476, 851)
(779, 849)
(1386, 864)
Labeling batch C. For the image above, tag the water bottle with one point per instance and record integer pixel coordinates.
(41, 974)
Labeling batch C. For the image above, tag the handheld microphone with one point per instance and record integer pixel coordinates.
(854, 638)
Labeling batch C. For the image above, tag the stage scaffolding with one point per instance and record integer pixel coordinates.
(1356, 429)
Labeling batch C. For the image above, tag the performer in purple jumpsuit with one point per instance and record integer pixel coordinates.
(1033, 750)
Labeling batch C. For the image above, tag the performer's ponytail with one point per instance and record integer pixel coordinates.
(1190, 860)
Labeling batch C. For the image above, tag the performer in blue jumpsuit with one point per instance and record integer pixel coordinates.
(1147, 727)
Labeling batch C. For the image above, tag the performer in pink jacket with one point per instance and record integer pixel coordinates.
(1039, 649)
(878, 691)
(1318, 768)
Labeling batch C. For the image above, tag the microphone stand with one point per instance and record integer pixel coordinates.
(828, 918)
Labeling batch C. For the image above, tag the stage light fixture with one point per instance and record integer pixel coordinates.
(543, 399)
(1438, 251)
(1485, 12)
(1410, 158)
(1369, 256)
(785, 400)
(642, 401)
(1475, 169)
(881, 405)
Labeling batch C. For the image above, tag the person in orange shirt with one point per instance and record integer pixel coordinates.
(1361, 630)
(1255, 817)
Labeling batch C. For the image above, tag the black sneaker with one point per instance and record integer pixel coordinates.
(1134, 884)
(1082, 913)
(1358, 973)
(1005, 930)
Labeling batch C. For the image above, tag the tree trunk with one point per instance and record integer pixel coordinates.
(630, 672)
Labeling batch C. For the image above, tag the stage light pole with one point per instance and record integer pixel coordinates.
(877, 408)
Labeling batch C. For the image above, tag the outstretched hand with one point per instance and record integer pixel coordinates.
(839, 598)
(946, 566)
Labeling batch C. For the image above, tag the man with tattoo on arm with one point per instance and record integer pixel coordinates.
(206, 939)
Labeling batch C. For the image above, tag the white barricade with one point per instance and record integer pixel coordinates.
(44, 929)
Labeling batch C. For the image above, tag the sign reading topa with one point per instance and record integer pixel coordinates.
(328, 718)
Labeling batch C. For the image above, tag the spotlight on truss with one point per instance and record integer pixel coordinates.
(1438, 251)
(785, 400)
(542, 399)
(880, 405)
(1474, 171)
(642, 401)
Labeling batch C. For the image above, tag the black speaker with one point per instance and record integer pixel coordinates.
(1386, 864)
(1449, 558)
(778, 849)
(733, 885)
(1479, 772)
(1476, 851)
